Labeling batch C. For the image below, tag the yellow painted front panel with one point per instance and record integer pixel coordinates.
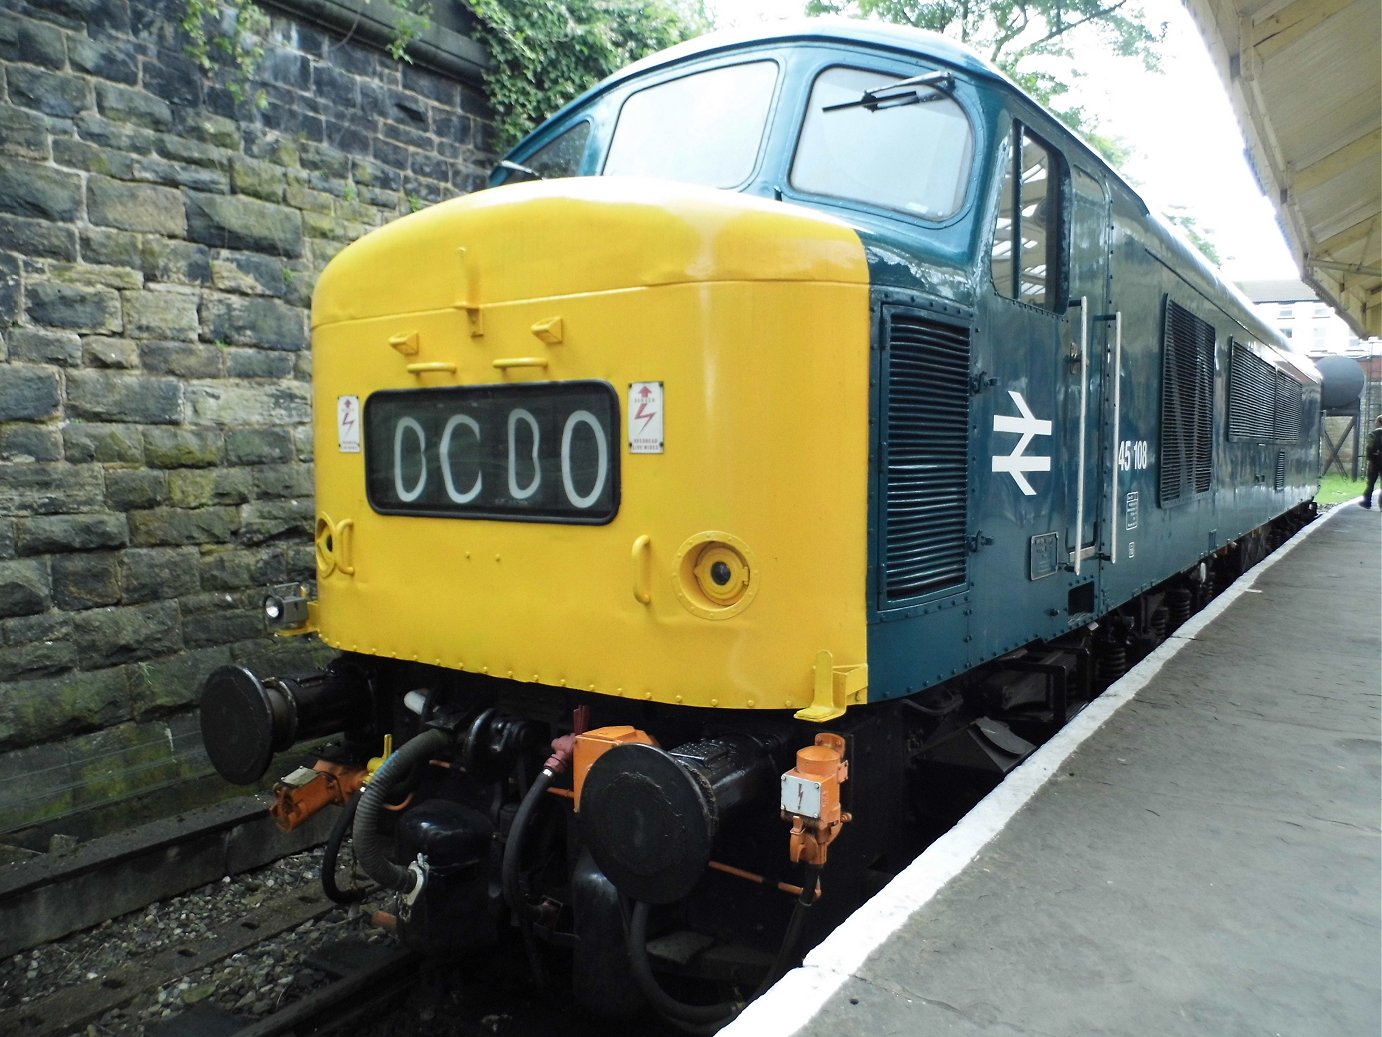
(766, 398)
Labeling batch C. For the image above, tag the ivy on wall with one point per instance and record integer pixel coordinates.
(226, 37)
(545, 52)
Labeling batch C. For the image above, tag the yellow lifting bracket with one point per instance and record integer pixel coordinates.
(834, 688)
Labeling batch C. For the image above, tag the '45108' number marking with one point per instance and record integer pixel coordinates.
(1134, 455)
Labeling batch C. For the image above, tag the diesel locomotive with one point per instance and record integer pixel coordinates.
(801, 428)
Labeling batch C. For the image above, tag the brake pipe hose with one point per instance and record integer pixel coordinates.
(369, 850)
(707, 1018)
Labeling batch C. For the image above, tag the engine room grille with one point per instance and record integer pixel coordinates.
(1187, 405)
(924, 456)
(1251, 396)
(1290, 400)
(1280, 470)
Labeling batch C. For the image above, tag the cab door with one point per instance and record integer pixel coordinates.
(1092, 331)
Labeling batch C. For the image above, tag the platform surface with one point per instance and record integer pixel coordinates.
(1197, 854)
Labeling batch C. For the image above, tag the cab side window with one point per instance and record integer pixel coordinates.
(1027, 258)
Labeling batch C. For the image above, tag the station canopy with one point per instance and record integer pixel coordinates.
(1305, 79)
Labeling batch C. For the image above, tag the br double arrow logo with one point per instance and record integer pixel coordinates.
(1028, 426)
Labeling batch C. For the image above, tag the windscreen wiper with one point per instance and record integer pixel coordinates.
(894, 95)
(514, 167)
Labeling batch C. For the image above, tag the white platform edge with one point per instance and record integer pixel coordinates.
(790, 1004)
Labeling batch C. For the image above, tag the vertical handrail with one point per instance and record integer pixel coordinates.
(1113, 516)
(1084, 413)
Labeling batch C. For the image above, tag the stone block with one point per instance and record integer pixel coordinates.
(155, 170)
(20, 441)
(60, 348)
(259, 363)
(226, 627)
(198, 487)
(22, 133)
(210, 129)
(106, 444)
(248, 273)
(157, 573)
(127, 633)
(194, 152)
(183, 447)
(182, 359)
(283, 480)
(117, 396)
(9, 295)
(24, 587)
(256, 321)
(45, 709)
(36, 239)
(241, 568)
(112, 247)
(259, 446)
(175, 78)
(39, 192)
(86, 579)
(161, 315)
(7, 538)
(33, 654)
(136, 207)
(174, 262)
(122, 104)
(132, 490)
(75, 307)
(162, 685)
(105, 61)
(78, 154)
(258, 179)
(48, 534)
(243, 223)
(28, 393)
(115, 353)
(39, 44)
(52, 93)
(49, 489)
(270, 520)
(248, 405)
(177, 527)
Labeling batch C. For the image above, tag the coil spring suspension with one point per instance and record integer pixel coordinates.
(1156, 623)
(1179, 603)
(1111, 662)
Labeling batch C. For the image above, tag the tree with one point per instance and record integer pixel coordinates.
(545, 52)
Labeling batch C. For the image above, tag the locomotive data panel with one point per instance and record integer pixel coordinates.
(539, 453)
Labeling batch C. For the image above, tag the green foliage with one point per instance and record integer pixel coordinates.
(1027, 38)
(229, 33)
(1190, 227)
(414, 18)
(545, 52)
(1007, 31)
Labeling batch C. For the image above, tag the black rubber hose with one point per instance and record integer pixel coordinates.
(333, 851)
(369, 850)
(707, 1018)
(513, 849)
(663, 1002)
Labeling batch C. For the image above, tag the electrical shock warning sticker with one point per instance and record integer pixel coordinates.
(645, 418)
(348, 424)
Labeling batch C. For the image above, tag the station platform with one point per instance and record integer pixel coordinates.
(1198, 853)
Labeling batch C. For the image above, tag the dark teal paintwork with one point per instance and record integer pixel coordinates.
(1122, 260)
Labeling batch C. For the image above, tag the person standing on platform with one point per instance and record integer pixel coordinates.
(1373, 452)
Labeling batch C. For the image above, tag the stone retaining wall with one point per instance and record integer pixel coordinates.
(158, 246)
